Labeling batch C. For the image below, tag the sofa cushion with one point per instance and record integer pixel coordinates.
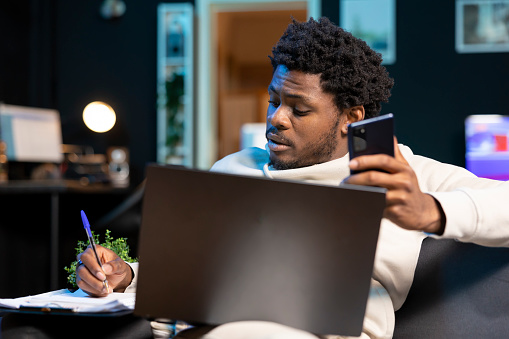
(460, 291)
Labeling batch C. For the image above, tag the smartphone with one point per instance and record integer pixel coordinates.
(371, 136)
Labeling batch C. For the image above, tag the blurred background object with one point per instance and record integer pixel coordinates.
(4, 166)
(99, 116)
(118, 160)
(487, 145)
(112, 9)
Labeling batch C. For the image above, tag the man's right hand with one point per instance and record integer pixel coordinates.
(90, 276)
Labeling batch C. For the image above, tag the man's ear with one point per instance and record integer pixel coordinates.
(352, 114)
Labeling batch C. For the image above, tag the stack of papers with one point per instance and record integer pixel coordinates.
(78, 302)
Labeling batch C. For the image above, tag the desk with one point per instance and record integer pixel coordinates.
(55, 188)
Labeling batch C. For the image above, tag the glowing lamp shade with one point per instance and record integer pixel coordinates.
(99, 116)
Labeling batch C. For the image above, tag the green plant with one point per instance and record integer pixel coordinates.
(174, 111)
(119, 246)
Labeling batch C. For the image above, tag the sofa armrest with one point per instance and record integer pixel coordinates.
(459, 291)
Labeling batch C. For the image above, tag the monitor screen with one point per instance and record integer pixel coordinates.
(31, 134)
(487, 146)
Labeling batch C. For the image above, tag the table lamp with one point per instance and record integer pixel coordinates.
(99, 116)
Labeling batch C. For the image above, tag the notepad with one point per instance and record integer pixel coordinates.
(74, 302)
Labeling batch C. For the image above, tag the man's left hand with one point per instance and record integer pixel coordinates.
(406, 205)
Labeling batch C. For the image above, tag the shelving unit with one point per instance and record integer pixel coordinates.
(175, 84)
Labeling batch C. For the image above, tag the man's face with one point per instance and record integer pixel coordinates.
(303, 123)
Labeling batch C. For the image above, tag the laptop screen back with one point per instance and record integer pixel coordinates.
(218, 248)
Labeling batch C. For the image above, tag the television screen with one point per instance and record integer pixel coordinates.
(487, 146)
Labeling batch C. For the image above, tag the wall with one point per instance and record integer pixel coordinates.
(435, 87)
(62, 54)
(113, 61)
(14, 60)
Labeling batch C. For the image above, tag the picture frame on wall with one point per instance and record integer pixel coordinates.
(482, 26)
(373, 21)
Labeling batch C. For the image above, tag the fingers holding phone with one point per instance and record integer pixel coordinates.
(377, 161)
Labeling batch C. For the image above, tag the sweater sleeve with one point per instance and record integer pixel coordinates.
(132, 287)
(475, 208)
(477, 215)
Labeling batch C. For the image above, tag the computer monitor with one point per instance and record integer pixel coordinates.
(487, 146)
(31, 134)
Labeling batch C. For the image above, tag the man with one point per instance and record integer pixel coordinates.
(323, 80)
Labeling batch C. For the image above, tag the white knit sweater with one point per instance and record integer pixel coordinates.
(476, 211)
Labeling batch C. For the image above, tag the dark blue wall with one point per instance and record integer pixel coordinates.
(62, 54)
(435, 87)
(112, 61)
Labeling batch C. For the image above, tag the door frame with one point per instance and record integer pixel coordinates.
(206, 67)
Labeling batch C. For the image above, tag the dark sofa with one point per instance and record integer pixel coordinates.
(460, 291)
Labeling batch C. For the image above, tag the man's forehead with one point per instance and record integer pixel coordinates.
(294, 82)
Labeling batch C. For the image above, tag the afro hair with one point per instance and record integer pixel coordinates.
(349, 69)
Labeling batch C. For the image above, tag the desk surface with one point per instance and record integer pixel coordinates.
(56, 186)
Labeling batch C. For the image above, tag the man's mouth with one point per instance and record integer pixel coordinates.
(277, 143)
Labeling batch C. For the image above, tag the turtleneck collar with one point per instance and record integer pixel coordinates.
(327, 173)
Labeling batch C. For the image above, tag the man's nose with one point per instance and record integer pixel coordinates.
(279, 118)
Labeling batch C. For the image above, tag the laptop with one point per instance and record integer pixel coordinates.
(217, 248)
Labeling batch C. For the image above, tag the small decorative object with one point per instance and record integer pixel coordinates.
(118, 166)
(3, 162)
(112, 9)
(119, 246)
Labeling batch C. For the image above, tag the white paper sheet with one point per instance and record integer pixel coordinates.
(77, 301)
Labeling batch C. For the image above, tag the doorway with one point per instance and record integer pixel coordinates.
(245, 40)
(235, 38)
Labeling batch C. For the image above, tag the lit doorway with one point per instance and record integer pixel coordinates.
(244, 71)
(233, 68)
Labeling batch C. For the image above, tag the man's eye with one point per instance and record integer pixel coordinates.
(274, 103)
(299, 112)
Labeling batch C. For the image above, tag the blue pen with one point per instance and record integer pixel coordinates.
(86, 225)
